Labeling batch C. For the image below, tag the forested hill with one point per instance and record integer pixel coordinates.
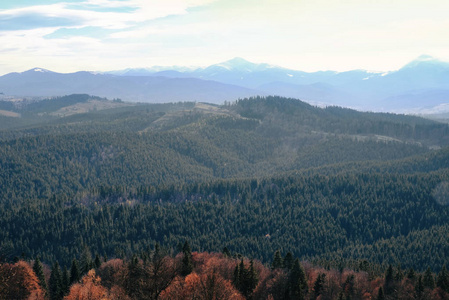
(257, 175)
(55, 147)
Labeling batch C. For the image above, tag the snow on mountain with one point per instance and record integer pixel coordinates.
(421, 84)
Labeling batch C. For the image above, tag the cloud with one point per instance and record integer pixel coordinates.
(100, 13)
(308, 35)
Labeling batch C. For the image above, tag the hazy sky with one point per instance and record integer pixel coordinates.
(309, 35)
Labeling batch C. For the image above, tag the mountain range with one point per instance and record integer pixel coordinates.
(421, 85)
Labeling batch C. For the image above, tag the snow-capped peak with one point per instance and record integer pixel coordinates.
(241, 65)
(38, 70)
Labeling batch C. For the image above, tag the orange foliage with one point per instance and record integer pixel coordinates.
(18, 281)
(89, 289)
(110, 272)
(204, 286)
(272, 286)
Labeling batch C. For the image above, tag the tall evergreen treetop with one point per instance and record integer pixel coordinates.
(75, 274)
(39, 271)
(428, 280)
(187, 263)
(277, 260)
(443, 279)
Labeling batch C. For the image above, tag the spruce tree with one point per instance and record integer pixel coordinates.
(75, 274)
(55, 283)
(237, 277)
(428, 280)
(288, 261)
(389, 281)
(85, 261)
(380, 294)
(253, 278)
(157, 254)
(245, 279)
(226, 252)
(97, 261)
(65, 281)
(297, 283)
(39, 271)
(419, 288)
(187, 264)
(411, 274)
(277, 260)
(319, 285)
(399, 274)
(443, 280)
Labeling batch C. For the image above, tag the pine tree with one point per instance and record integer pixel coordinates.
(288, 261)
(389, 281)
(157, 254)
(237, 276)
(399, 274)
(245, 279)
(55, 283)
(419, 288)
(380, 295)
(187, 264)
(85, 261)
(226, 252)
(75, 274)
(297, 282)
(97, 261)
(319, 285)
(443, 280)
(252, 278)
(277, 260)
(65, 281)
(428, 280)
(348, 286)
(39, 271)
(411, 274)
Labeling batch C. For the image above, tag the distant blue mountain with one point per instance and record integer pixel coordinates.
(421, 84)
(155, 89)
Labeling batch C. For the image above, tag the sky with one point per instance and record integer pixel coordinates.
(308, 35)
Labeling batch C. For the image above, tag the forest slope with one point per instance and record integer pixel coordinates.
(259, 175)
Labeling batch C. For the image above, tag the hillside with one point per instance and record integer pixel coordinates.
(257, 175)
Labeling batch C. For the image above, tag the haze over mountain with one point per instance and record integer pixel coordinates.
(420, 86)
(155, 89)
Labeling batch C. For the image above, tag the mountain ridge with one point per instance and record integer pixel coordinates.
(413, 88)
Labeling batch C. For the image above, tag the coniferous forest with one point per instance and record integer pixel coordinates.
(263, 198)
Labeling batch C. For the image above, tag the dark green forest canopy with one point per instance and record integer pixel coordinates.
(256, 176)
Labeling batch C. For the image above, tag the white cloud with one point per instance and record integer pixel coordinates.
(308, 35)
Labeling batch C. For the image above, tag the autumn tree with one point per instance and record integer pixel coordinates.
(90, 288)
(18, 281)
